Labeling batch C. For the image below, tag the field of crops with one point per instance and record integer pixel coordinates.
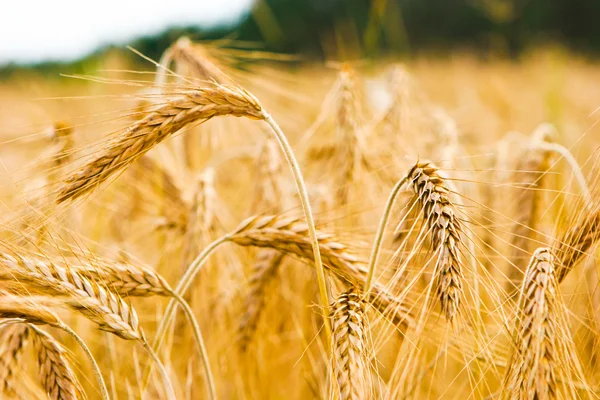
(229, 224)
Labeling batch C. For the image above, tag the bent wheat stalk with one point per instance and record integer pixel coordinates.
(379, 235)
(534, 166)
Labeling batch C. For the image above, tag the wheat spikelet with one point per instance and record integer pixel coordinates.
(439, 212)
(265, 269)
(28, 311)
(531, 373)
(126, 279)
(12, 341)
(350, 362)
(197, 106)
(97, 303)
(289, 235)
(581, 236)
(55, 372)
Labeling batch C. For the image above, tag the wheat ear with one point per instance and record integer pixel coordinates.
(440, 215)
(347, 133)
(117, 280)
(350, 362)
(56, 374)
(99, 304)
(265, 269)
(531, 373)
(581, 236)
(197, 106)
(37, 314)
(14, 338)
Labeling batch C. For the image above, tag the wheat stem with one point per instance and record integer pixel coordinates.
(379, 235)
(210, 383)
(566, 154)
(312, 231)
(163, 372)
(182, 287)
(90, 356)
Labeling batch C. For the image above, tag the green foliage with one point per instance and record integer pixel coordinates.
(376, 27)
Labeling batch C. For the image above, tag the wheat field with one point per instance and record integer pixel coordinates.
(239, 225)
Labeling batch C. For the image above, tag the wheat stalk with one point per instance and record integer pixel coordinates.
(350, 363)
(56, 374)
(196, 106)
(440, 215)
(531, 373)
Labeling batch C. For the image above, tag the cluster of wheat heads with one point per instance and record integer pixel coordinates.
(191, 255)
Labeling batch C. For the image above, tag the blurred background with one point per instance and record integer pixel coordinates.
(67, 37)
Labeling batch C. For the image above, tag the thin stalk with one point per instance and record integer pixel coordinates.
(312, 231)
(88, 353)
(566, 154)
(379, 235)
(182, 287)
(163, 372)
(210, 383)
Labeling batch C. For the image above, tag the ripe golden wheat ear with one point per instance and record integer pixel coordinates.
(13, 339)
(350, 357)
(159, 123)
(264, 271)
(56, 374)
(441, 217)
(531, 373)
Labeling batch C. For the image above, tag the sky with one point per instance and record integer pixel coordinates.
(43, 30)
